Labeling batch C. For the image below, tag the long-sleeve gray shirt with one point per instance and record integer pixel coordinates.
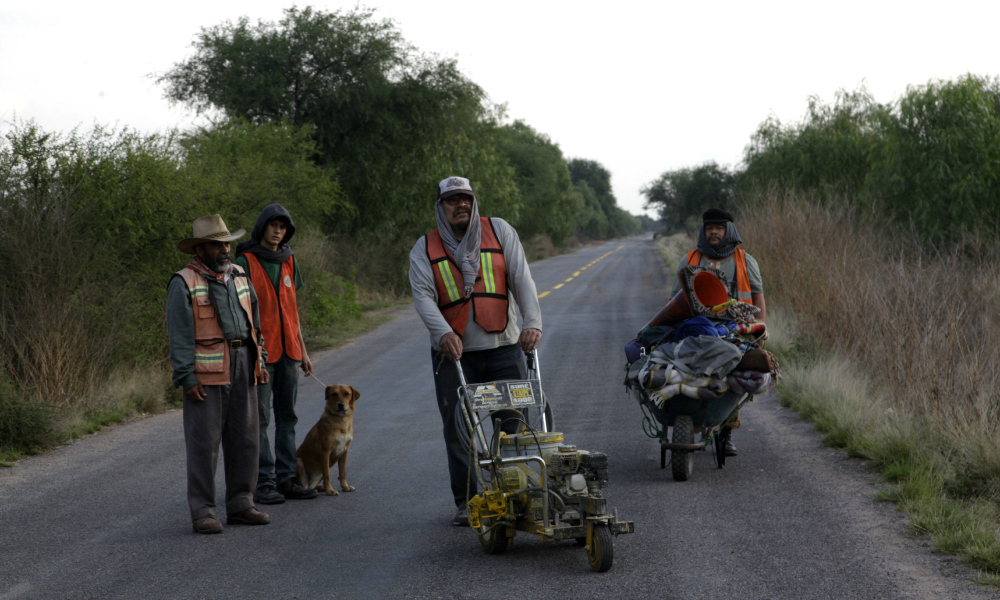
(180, 322)
(521, 290)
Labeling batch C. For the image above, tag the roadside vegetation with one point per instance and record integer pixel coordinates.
(351, 129)
(875, 227)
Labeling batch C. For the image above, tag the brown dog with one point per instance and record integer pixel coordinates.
(328, 441)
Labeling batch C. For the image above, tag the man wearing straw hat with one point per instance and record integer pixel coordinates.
(717, 248)
(217, 355)
(466, 276)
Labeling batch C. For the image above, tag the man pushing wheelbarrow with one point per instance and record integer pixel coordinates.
(700, 358)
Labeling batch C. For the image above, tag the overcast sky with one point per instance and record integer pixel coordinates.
(642, 87)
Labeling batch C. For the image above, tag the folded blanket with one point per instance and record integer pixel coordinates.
(754, 328)
(699, 326)
(704, 355)
(749, 382)
(665, 382)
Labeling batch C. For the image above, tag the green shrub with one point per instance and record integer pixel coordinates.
(24, 425)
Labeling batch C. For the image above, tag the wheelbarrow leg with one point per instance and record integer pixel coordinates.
(663, 457)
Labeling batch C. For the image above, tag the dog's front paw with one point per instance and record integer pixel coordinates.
(347, 488)
(332, 492)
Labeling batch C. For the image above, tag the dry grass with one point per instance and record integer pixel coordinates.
(673, 247)
(923, 326)
(889, 349)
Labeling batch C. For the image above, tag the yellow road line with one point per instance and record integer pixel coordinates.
(583, 268)
(569, 280)
(577, 274)
(544, 294)
(556, 287)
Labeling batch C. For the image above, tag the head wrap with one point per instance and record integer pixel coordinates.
(464, 251)
(726, 247)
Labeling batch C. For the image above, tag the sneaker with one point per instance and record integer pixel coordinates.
(292, 489)
(461, 517)
(207, 524)
(250, 516)
(267, 495)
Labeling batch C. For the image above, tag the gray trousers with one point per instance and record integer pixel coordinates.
(227, 415)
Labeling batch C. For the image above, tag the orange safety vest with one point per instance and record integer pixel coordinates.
(279, 313)
(211, 352)
(489, 294)
(742, 291)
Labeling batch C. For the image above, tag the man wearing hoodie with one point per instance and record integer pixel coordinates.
(275, 276)
(466, 277)
(717, 248)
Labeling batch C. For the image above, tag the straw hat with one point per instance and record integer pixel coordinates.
(209, 229)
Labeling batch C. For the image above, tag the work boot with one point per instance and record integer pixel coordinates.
(267, 495)
(292, 489)
(207, 524)
(728, 446)
(250, 516)
(461, 517)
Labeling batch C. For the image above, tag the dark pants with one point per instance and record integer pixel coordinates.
(226, 415)
(505, 362)
(280, 393)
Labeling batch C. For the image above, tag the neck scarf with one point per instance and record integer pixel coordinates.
(725, 248)
(466, 250)
(198, 266)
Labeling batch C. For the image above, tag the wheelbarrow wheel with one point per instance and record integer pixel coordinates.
(682, 461)
(493, 541)
(601, 551)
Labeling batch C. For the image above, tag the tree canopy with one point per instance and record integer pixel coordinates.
(681, 196)
(390, 120)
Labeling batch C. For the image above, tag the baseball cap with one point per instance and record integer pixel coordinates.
(454, 185)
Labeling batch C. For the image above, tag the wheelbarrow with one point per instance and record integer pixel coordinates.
(686, 416)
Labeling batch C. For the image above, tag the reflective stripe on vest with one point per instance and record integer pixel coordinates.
(743, 293)
(279, 316)
(449, 282)
(489, 301)
(211, 352)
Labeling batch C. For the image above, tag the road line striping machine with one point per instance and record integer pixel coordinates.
(533, 481)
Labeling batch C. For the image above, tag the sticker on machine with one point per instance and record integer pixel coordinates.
(521, 394)
(486, 395)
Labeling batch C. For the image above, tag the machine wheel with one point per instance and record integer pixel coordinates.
(495, 541)
(601, 552)
(682, 461)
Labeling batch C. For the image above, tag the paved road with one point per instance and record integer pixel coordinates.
(106, 517)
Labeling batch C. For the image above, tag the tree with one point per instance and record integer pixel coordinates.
(594, 176)
(391, 121)
(683, 195)
(543, 181)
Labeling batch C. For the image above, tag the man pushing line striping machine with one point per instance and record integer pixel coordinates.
(533, 481)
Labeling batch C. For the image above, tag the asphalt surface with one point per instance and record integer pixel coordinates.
(106, 517)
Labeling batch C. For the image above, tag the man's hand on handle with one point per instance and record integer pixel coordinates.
(451, 345)
(529, 339)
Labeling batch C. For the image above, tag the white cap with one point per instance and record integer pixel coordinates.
(454, 185)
